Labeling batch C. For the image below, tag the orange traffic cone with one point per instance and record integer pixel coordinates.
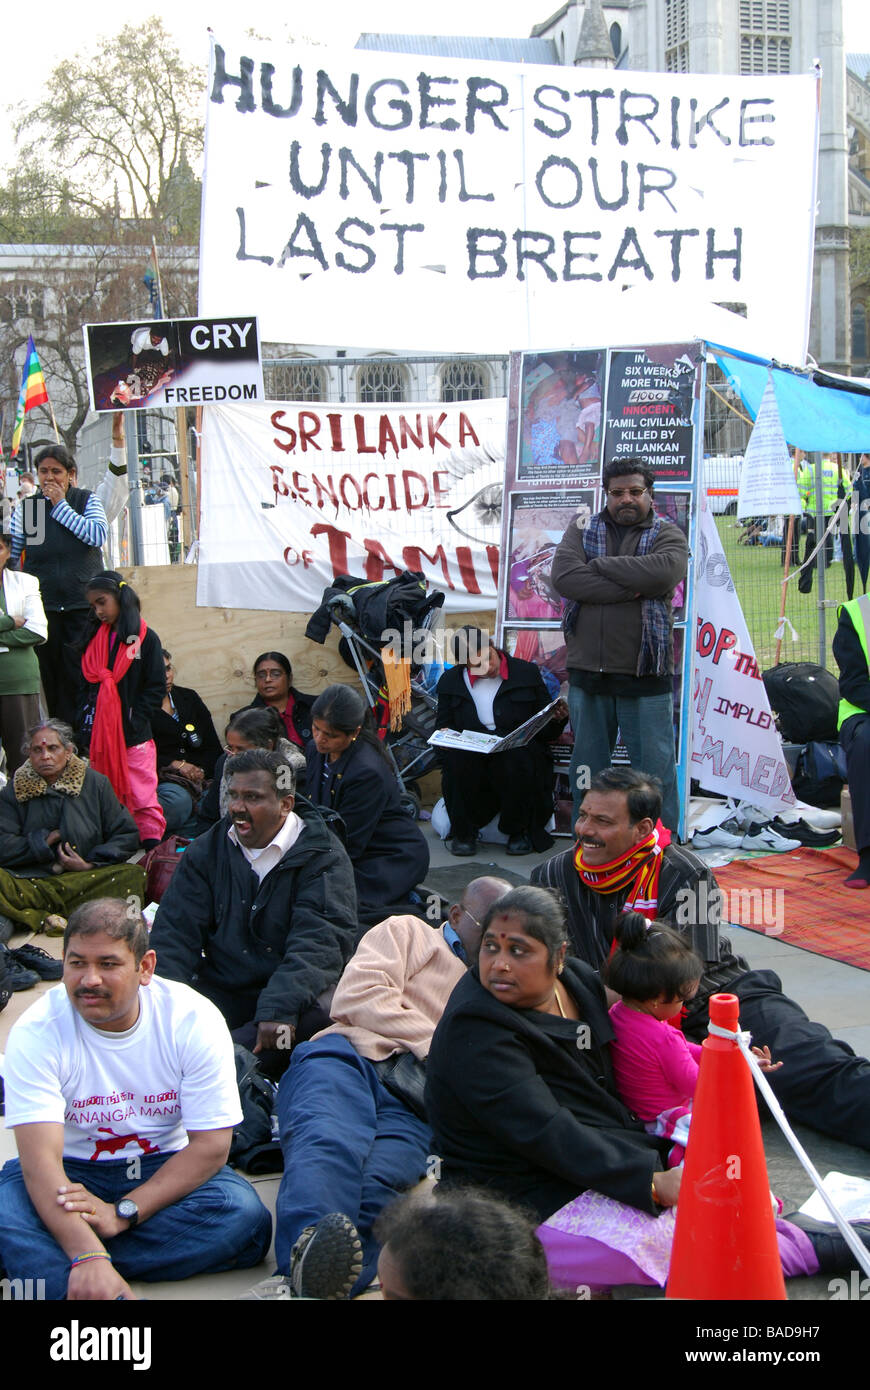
(725, 1238)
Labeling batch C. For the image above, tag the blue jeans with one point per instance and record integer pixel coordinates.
(221, 1225)
(348, 1144)
(177, 807)
(647, 726)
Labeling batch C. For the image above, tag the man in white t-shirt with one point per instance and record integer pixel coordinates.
(121, 1089)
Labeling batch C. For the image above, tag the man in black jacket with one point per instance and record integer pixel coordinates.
(822, 1082)
(261, 913)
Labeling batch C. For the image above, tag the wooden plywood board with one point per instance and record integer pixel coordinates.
(214, 649)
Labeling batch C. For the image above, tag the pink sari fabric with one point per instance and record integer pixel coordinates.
(595, 1242)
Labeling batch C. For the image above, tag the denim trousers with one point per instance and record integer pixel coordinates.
(177, 809)
(220, 1225)
(348, 1144)
(647, 726)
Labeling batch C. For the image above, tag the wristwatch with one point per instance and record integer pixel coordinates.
(127, 1210)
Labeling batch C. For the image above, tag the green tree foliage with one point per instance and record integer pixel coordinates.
(119, 135)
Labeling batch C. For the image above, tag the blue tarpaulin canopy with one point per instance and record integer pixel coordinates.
(819, 411)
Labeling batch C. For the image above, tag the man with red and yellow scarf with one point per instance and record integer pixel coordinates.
(624, 859)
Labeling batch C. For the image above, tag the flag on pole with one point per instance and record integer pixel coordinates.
(33, 392)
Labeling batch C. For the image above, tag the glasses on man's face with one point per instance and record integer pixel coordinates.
(473, 918)
(634, 493)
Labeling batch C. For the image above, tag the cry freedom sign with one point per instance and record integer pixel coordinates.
(371, 199)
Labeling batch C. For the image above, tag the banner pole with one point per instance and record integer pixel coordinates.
(798, 455)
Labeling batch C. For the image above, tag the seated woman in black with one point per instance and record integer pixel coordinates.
(274, 677)
(488, 691)
(252, 728)
(349, 772)
(187, 750)
(521, 1098)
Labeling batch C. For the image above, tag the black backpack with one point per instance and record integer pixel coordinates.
(820, 775)
(805, 700)
(254, 1149)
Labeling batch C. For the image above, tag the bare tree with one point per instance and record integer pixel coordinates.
(120, 132)
(97, 283)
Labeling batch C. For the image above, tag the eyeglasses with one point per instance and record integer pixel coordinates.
(473, 918)
(633, 492)
(274, 674)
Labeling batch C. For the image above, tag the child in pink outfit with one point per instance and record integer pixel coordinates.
(655, 1067)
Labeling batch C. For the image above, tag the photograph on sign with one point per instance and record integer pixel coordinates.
(560, 429)
(538, 522)
(651, 393)
(676, 507)
(173, 362)
(544, 646)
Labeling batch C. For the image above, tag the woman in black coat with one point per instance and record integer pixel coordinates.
(273, 675)
(64, 837)
(521, 1098)
(489, 692)
(187, 749)
(349, 772)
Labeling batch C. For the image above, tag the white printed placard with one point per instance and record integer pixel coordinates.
(736, 749)
(767, 481)
(445, 205)
(294, 494)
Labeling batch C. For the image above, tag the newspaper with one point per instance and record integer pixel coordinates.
(472, 742)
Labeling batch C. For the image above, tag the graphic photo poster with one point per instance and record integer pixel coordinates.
(652, 395)
(649, 403)
(173, 362)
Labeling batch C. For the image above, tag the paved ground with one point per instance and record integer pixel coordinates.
(831, 993)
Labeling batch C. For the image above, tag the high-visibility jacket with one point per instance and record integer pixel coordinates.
(807, 487)
(858, 610)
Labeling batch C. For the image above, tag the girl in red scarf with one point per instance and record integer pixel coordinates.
(122, 665)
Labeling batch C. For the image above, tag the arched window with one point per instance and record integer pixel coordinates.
(616, 39)
(302, 380)
(464, 381)
(22, 301)
(382, 381)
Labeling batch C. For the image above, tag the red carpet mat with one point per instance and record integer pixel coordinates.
(799, 898)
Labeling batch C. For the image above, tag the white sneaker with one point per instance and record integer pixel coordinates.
(748, 815)
(715, 838)
(765, 838)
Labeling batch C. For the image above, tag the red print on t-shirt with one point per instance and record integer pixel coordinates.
(120, 1141)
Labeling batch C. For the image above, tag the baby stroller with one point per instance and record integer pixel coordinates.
(363, 611)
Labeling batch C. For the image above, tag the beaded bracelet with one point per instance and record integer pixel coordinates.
(92, 1255)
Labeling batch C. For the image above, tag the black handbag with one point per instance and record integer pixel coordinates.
(405, 1078)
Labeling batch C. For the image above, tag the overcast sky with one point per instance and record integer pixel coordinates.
(64, 29)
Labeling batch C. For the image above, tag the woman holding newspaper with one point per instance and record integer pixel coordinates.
(489, 692)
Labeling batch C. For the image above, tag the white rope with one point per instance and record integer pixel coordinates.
(743, 1040)
(834, 521)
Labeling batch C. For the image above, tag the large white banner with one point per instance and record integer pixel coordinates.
(295, 494)
(376, 200)
(735, 747)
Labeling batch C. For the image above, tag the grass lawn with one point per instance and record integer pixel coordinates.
(757, 574)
